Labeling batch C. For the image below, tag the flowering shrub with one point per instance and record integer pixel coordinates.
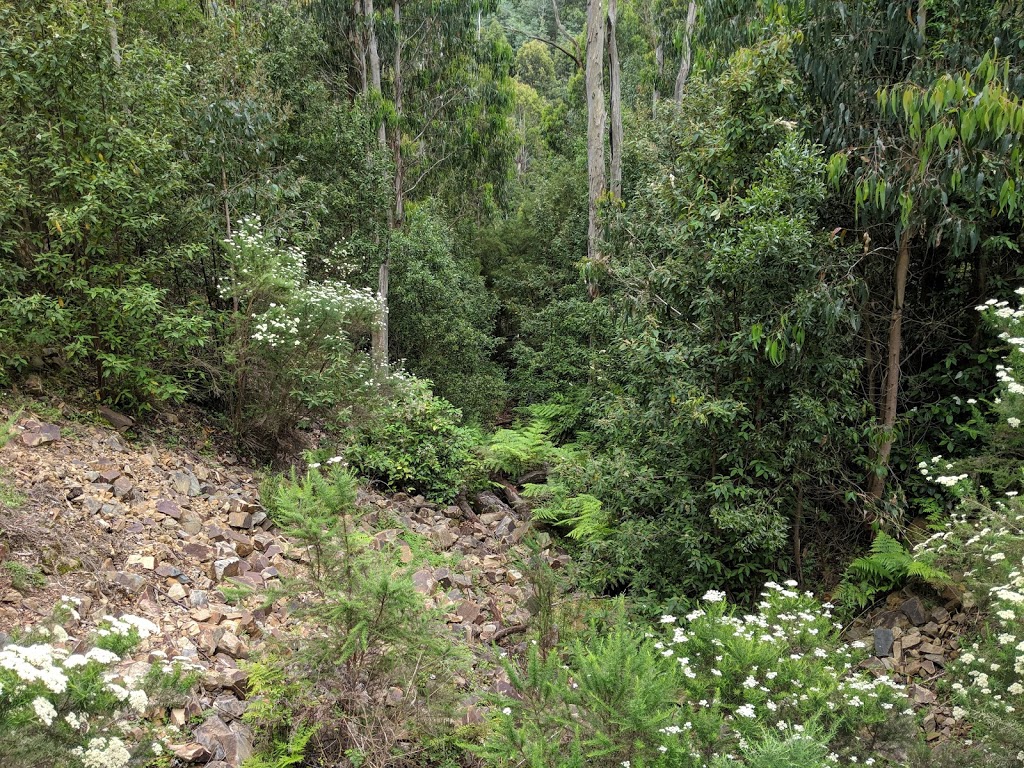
(63, 708)
(290, 344)
(716, 687)
(983, 540)
(986, 543)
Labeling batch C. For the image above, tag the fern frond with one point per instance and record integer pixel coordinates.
(584, 516)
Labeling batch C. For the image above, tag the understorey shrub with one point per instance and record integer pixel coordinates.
(75, 709)
(416, 442)
(717, 687)
(371, 670)
(982, 546)
(289, 343)
(91, 176)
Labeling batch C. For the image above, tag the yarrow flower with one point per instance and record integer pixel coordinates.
(44, 710)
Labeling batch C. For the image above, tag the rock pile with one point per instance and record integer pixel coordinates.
(913, 644)
(160, 533)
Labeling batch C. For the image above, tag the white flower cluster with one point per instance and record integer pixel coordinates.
(35, 679)
(948, 481)
(332, 460)
(125, 625)
(783, 665)
(38, 663)
(105, 752)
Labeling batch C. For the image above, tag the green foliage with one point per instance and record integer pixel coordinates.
(513, 452)
(582, 516)
(23, 577)
(73, 709)
(417, 442)
(7, 429)
(886, 567)
(284, 753)
(90, 178)
(290, 350)
(716, 689)
(438, 303)
(367, 634)
(728, 416)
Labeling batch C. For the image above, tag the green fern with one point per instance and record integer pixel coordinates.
(584, 516)
(514, 452)
(7, 429)
(285, 754)
(886, 567)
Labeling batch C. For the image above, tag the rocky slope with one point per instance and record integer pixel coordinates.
(127, 525)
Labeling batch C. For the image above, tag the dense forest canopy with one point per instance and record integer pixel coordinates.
(723, 257)
(715, 294)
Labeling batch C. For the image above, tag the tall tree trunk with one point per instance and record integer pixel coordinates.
(684, 63)
(891, 391)
(379, 338)
(374, 55)
(359, 46)
(115, 48)
(659, 71)
(595, 121)
(396, 134)
(615, 92)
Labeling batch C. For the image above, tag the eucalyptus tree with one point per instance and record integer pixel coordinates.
(442, 91)
(932, 178)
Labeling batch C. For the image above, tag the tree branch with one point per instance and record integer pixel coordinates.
(552, 43)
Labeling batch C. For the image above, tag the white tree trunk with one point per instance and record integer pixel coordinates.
(595, 121)
(371, 43)
(115, 48)
(615, 91)
(687, 58)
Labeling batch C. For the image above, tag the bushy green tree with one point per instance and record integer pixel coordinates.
(731, 410)
(91, 179)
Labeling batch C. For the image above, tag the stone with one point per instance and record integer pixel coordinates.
(921, 695)
(132, 583)
(209, 639)
(191, 523)
(185, 483)
(230, 743)
(233, 646)
(423, 582)
(469, 611)
(443, 537)
(914, 611)
(123, 488)
(230, 707)
(167, 571)
(883, 641)
(107, 475)
(177, 592)
(200, 552)
(192, 752)
(240, 520)
(37, 433)
(225, 568)
(118, 421)
(90, 504)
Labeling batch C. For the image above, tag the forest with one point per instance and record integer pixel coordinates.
(722, 293)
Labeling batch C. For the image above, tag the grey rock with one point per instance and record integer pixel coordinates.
(38, 433)
(883, 641)
(230, 743)
(914, 611)
(185, 483)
